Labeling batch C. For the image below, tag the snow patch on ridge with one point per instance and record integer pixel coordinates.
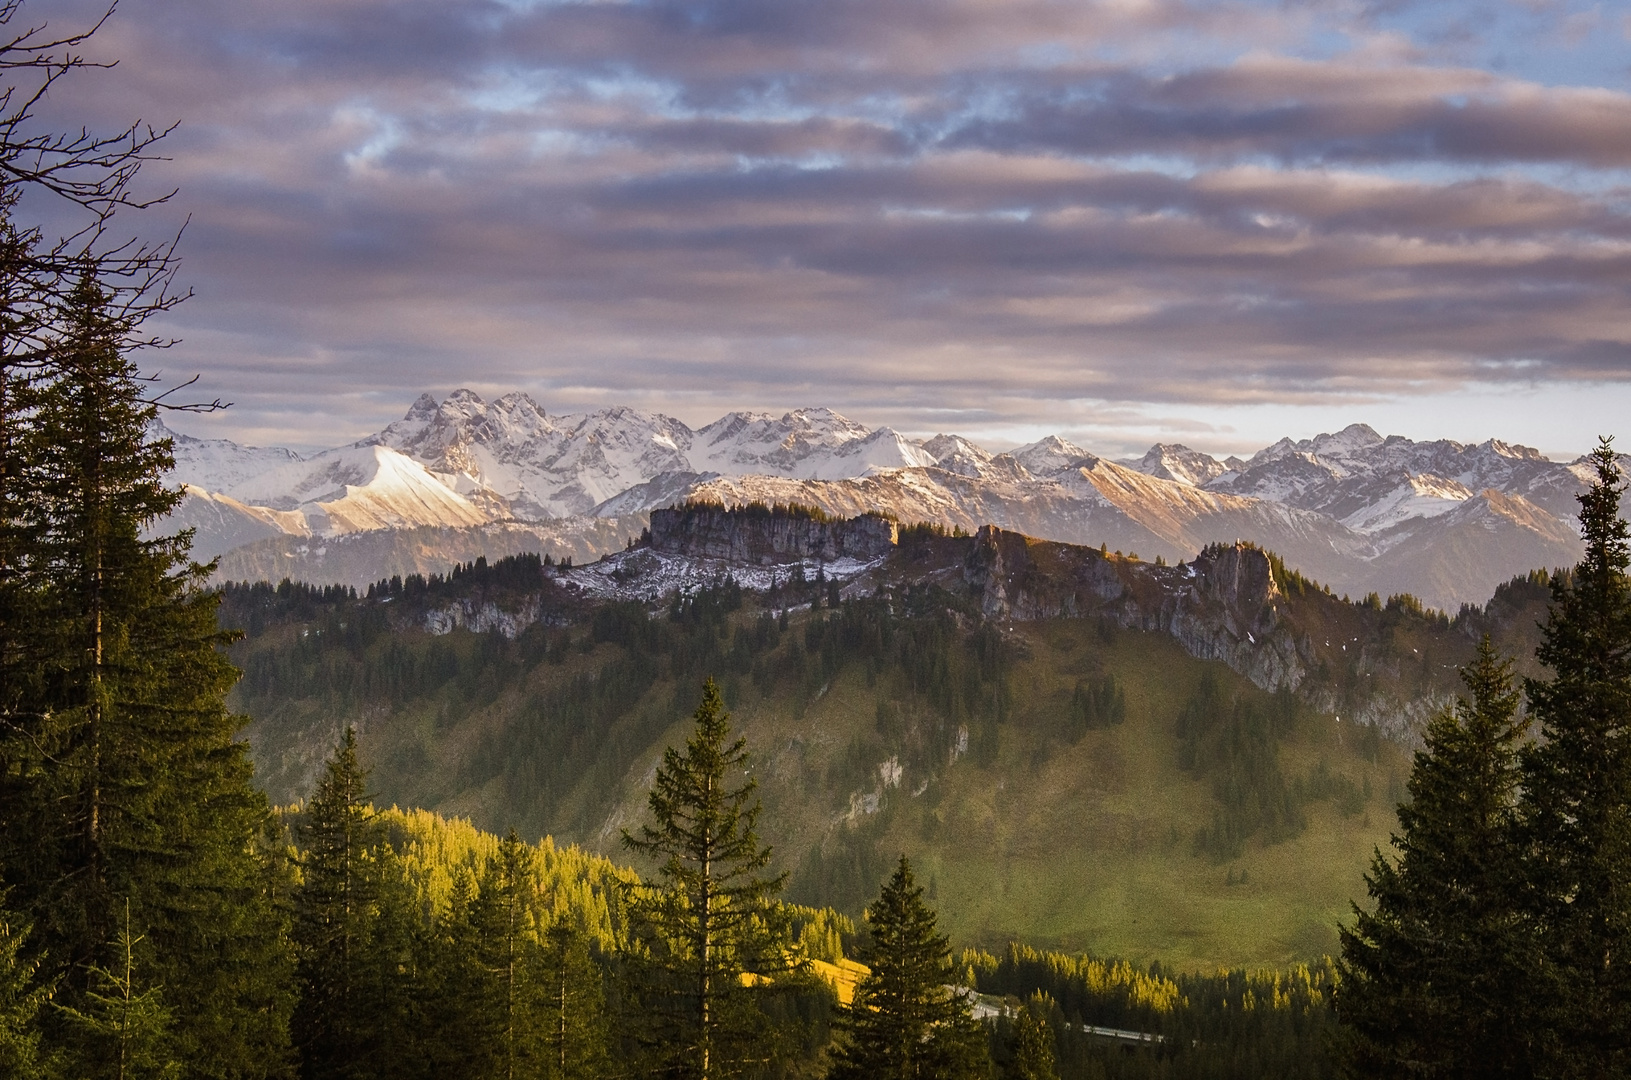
(646, 575)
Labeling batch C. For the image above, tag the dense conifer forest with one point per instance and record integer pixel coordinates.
(161, 917)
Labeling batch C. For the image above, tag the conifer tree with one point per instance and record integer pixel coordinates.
(1033, 1046)
(22, 997)
(907, 1021)
(21, 644)
(334, 926)
(1577, 798)
(504, 914)
(123, 1031)
(458, 1008)
(567, 1036)
(709, 919)
(120, 772)
(1431, 977)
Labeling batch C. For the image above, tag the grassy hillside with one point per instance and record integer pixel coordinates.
(1064, 782)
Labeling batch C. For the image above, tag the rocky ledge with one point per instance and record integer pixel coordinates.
(764, 536)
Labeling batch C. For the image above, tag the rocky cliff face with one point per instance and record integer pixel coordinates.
(1228, 604)
(1225, 605)
(756, 536)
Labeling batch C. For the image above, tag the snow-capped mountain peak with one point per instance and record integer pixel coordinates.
(423, 408)
(956, 454)
(1350, 440)
(810, 444)
(1174, 461)
(356, 488)
(1049, 456)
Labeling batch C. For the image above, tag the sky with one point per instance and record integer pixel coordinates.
(1214, 222)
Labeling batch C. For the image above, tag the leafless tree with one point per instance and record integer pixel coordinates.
(94, 175)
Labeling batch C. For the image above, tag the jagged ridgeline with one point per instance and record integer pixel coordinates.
(1078, 748)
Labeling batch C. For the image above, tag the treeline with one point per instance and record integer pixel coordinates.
(259, 604)
(522, 573)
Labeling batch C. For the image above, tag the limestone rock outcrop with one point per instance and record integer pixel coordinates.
(761, 536)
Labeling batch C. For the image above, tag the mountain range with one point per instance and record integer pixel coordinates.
(1360, 512)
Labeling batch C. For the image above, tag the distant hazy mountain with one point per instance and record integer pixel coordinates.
(1355, 510)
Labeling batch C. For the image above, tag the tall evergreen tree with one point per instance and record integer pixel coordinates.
(1431, 977)
(21, 644)
(907, 1022)
(709, 919)
(120, 773)
(1577, 798)
(566, 1036)
(125, 776)
(458, 1014)
(1033, 1045)
(503, 918)
(336, 908)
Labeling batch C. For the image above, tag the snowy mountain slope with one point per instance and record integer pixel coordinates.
(361, 558)
(357, 488)
(1421, 495)
(956, 454)
(807, 444)
(510, 457)
(221, 523)
(514, 456)
(1048, 456)
(218, 464)
(1360, 477)
(1486, 540)
(1343, 507)
(1190, 518)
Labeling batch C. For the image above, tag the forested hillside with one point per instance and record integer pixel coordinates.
(1061, 781)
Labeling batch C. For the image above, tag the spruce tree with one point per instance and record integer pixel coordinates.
(336, 907)
(1033, 1045)
(907, 1022)
(21, 643)
(458, 1010)
(567, 1033)
(1577, 799)
(22, 997)
(120, 773)
(1431, 977)
(124, 1027)
(126, 779)
(708, 920)
(503, 921)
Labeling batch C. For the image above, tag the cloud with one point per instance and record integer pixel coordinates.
(989, 207)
